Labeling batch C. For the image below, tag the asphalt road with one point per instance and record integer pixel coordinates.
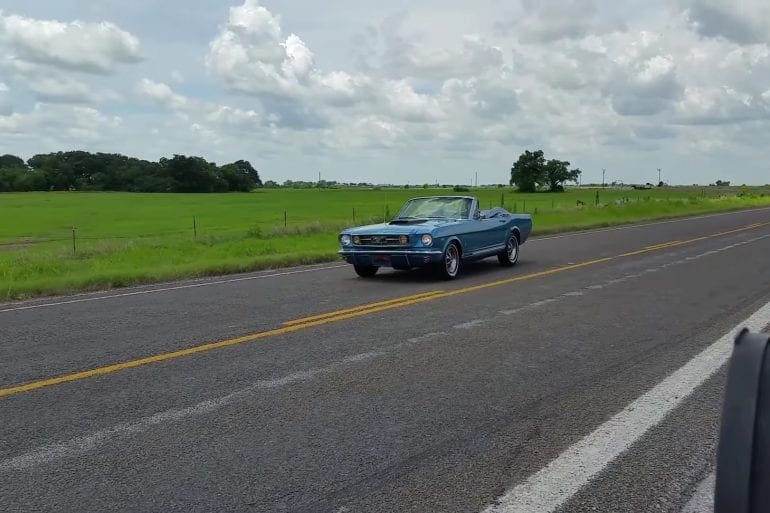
(587, 378)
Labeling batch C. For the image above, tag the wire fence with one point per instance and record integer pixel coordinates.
(284, 223)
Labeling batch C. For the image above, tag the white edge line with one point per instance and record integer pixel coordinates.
(167, 289)
(557, 482)
(702, 500)
(300, 271)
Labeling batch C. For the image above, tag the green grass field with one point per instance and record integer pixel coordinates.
(124, 238)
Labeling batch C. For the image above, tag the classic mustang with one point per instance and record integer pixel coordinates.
(438, 231)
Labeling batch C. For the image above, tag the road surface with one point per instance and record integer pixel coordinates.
(587, 378)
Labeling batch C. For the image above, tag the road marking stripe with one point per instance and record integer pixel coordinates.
(702, 500)
(664, 244)
(358, 308)
(323, 319)
(86, 443)
(557, 482)
(167, 289)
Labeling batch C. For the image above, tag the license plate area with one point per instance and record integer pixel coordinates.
(381, 259)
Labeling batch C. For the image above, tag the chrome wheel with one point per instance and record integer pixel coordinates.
(451, 261)
(511, 253)
(513, 249)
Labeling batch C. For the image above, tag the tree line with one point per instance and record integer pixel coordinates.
(84, 171)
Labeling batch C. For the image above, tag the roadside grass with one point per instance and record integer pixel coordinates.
(125, 239)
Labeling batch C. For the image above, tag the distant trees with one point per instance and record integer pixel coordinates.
(532, 170)
(84, 171)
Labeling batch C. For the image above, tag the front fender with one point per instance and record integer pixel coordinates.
(450, 239)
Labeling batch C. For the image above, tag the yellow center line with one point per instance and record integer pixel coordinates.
(663, 245)
(359, 308)
(348, 313)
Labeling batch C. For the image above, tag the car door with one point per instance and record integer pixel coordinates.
(486, 233)
(493, 232)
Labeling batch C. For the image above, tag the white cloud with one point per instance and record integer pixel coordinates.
(60, 90)
(389, 51)
(5, 104)
(744, 22)
(161, 94)
(65, 125)
(548, 21)
(720, 105)
(88, 47)
(406, 104)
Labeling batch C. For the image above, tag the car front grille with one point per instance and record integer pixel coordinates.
(380, 240)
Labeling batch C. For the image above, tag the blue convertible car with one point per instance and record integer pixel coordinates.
(438, 231)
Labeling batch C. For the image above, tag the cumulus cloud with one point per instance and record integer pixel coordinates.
(60, 89)
(547, 21)
(644, 87)
(160, 94)
(5, 104)
(745, 22)
(79, 46)
(388, 50)
(251, 56)
(721, 105)
(69, 125)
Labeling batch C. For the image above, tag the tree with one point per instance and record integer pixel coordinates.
(240, 176)
(11, 162)
(193, 174)
(557, 172)
(528, 171)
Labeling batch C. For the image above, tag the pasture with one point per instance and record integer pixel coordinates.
(125, 238)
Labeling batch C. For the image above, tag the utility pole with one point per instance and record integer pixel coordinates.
(659, 175)
(477, 179)
(319, 177)
(603, 171)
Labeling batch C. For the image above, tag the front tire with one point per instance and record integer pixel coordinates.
(510, 255)
(366, 271)
(450, 264)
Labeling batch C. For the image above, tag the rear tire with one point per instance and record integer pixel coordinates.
(366, 271)
(510, 255)
(450, 263)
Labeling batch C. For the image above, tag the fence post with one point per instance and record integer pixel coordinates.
(354, 214)
(597, 197)
(195, 229)
(502, 199)
(74, 248)
(285, 219)
(524, 209)
(552, 205)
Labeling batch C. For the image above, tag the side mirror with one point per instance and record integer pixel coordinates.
(743, 458)
(478, 215)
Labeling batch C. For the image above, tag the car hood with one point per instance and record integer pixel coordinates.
(415, 226)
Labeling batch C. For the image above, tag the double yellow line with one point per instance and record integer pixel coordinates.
(347, 313)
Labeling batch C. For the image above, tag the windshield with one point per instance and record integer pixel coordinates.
(438, 207)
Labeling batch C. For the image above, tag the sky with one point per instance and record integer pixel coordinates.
(396, 92)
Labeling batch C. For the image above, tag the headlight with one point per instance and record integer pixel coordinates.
(403, 240)
(345, 240)
(356, 239)
(427, 240)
